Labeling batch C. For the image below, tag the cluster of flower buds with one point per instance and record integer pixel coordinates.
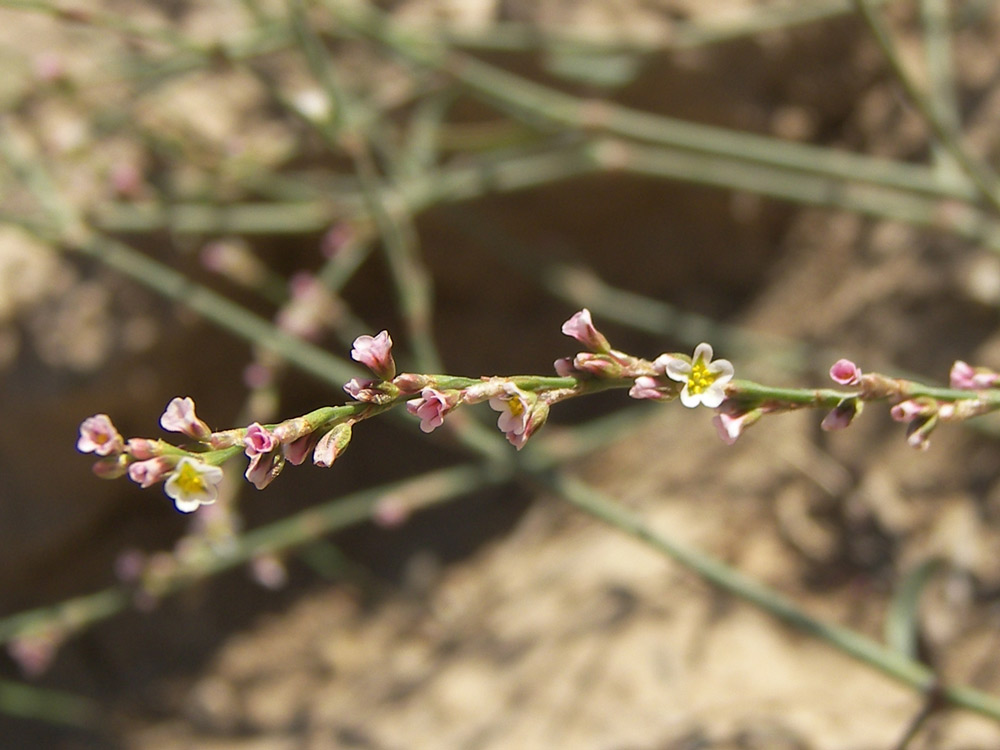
(191, 473)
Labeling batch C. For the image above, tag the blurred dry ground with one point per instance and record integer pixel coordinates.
(509, 620)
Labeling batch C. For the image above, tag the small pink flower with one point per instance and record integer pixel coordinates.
(598, 365)
(98, 435)
(521, 414)
(431, 407)
(581, 327)
(152, 470)
(179, 416)
(845, 372)
(967, 377)
(375, 353)
(332, 445)
(258, 439)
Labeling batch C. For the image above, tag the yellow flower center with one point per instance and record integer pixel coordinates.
(700, 378)
(190, 481)
(516, 407)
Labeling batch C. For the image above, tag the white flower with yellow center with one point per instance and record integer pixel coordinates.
(193, 483)
(704, 380)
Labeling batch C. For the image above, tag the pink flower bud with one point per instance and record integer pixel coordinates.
(179, 416)
(564, 367)
(258, 440)
(409, 382)
(845, 372)
(359, 389)
(907, 411)
(142, 448)
(967, 377)
(581, 327)
(332, 445)
(149, 472)
(841, 415)
(599, 365)
(264, 468)
(98, 435)
(649, 387)
(375, 353)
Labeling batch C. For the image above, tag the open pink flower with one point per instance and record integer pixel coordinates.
(179, 416)
(431, 407)
(264, 468)
(98, 435)
(581, 327)
(375, 353)
(521, 414)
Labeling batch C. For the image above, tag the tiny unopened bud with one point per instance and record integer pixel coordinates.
(410, 382)
(142, 448)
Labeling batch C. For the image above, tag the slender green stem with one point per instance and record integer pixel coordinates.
(51, 706)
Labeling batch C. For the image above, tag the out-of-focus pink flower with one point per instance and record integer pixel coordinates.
(845, 372)
(192, 484)
(179, 416)
(98, 435)
(704, 380)
(34, 653)
(375, 353)
(152, 470)
(967, 377)
(581, 327)
(431, 407)
(332, 445)
(907, 411)
(258, 439)
(142, 448)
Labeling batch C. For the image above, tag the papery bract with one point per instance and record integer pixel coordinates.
(98, 435)
(704, 380)
(192, 484)
(179, 416)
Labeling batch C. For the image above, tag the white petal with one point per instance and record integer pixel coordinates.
(703, 352)
(678, 369)
(689, 399)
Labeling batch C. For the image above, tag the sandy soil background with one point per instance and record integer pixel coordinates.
(507, 619)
